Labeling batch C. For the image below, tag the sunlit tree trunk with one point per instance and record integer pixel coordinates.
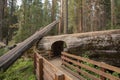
(65, 16)
(81, 17)
(61, 18)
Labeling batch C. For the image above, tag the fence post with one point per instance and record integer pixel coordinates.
(62, 55)
(78, 66)
(59, 76)
(34, 63)
(40, 68)
(101, 77)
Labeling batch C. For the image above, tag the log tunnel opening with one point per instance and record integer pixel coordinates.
(57, 47)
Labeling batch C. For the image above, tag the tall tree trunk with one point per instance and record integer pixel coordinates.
(85, 28)
(10, 19)
(1, 18)
(61, 18)
(113, 17)
(53, 9)
(79, 15)
(6, 24)
(3, 4)
(65, 16)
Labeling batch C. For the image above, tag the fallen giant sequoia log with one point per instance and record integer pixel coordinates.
(100, 45)
(7, 59)
(99, 40)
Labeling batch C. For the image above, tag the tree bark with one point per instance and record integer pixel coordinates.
(61, 18)
(113, 16)
(79, 16)
(53, 10)
(99, 40)
(65, 16)
(3, 4)
(1, 18)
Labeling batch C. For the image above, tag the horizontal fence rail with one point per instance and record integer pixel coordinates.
(44, 70)
(85, 68)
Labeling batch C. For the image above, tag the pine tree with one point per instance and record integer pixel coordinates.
(35, 16)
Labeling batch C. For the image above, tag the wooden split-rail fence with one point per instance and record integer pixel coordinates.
(44, 70)
(83, 68)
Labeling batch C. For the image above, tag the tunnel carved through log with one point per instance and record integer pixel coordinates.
(57, 47)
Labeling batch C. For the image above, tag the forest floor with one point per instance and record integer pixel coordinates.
(22, 69)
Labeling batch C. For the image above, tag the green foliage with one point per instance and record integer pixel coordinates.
(89, 64)
(21, 70)
(92, 66)
(32, 16)
(115, 74)
(112, 27)
(72, 16)
(3, 50)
